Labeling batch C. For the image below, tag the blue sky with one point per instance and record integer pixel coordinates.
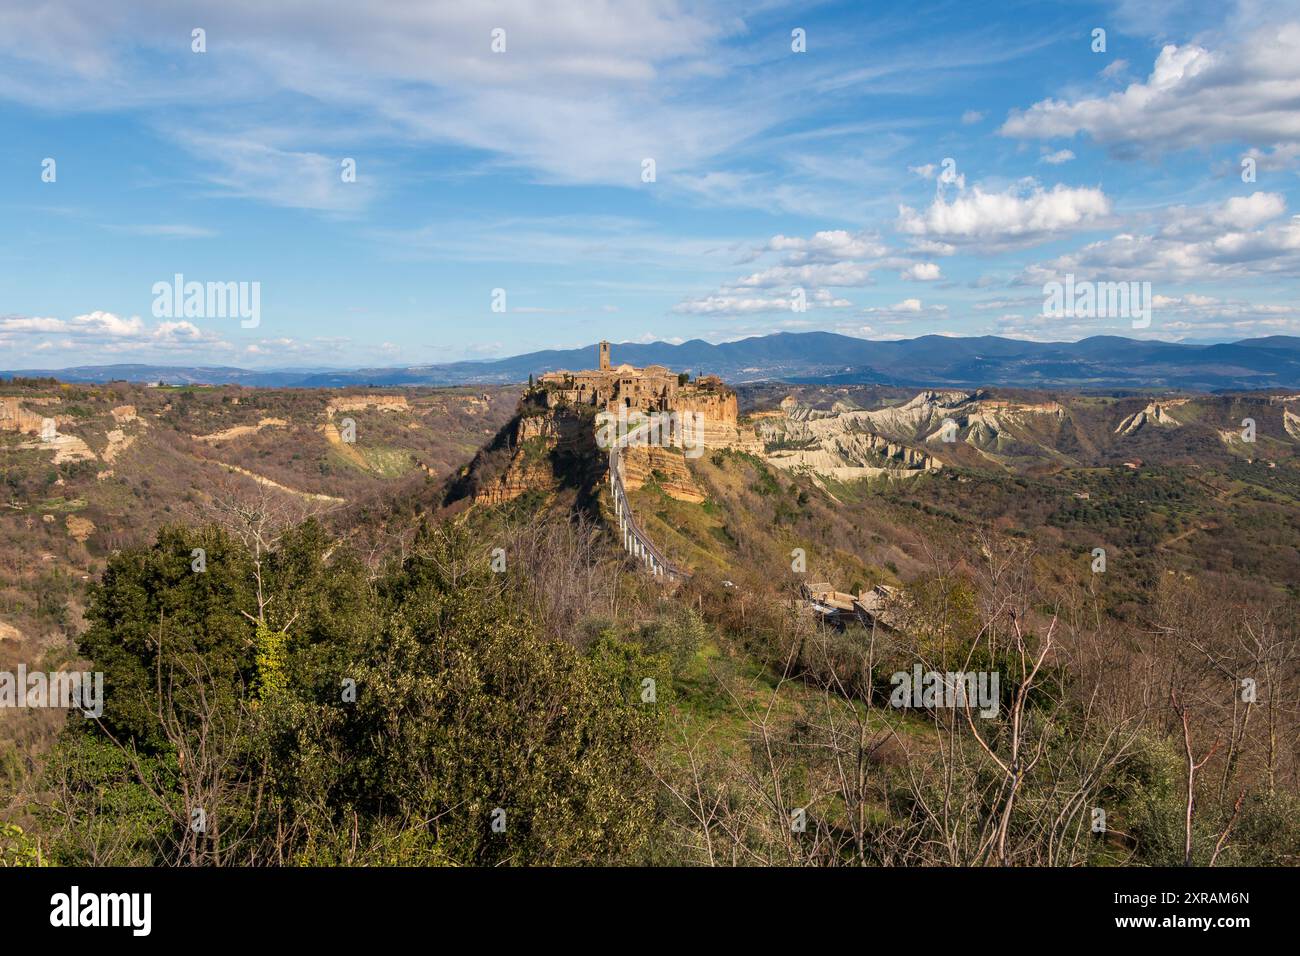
(522, 170)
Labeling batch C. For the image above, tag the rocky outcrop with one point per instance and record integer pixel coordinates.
(118, 442)
(1156, 413)
(717, 413)
(666, 466)
(1291, 422)
(841, 443)
(356, 403)
(546, 448)
(518, 479)
(849, 442)
(239, 430)
(15, 418)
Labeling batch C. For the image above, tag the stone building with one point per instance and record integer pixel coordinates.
(650, 389)
(709, 405)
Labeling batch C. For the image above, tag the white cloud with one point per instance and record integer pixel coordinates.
(1173, 317)
(178, 332)
(1015, 215)
(731, 303)
(827, 246)
(921, 272)
(933, 247)
(1280, 157)
(1244, 237)
(971, 117)
(1194, 96)
(244, 166)
(102, 334)
(840, 274)
(827, 259)
(1114, 69)
(18, 323)
(906, 313)
(1210, 220)
(1057, 158)
(107, 324)
(1247, 212)
(584, 91)
(105, 332)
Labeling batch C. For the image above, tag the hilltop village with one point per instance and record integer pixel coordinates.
(650, 389)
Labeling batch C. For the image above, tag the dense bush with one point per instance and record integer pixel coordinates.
(315, 716)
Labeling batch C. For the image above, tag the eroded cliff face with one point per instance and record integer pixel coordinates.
(843, 443)
(718, 415)
(15, 417)
(542, 451)
(847, 442)
(668, 468)
(1291, 422)
(1156, 413)
(356, 403)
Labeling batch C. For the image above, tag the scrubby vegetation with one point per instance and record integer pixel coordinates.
(400, 682)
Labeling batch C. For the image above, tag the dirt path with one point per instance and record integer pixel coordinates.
(263, 480)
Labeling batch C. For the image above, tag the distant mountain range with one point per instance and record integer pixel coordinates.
(817, 357)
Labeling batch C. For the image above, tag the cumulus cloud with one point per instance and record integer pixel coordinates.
(1015, 215)
(108, 325)
(1193, 96)
(106, 332)
(1243, 237)
(921, 272)
(1247, 212)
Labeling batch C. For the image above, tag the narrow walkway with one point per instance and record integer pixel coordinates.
(635, 541)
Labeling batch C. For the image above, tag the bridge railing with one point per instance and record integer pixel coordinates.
(635, 541)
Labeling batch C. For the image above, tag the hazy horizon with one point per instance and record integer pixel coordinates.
(254, 366)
